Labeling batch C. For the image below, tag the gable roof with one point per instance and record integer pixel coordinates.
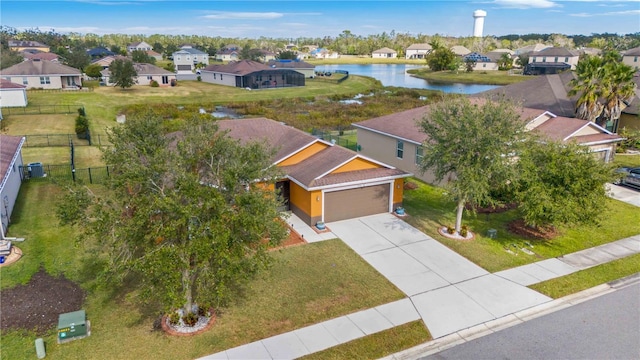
(6, 84)
(100, 51)
(107, 60)
(421, 46)
(384, 50)
(242, 67)
(9, 148)
(189, 50)
(26, 43)
(555, 51)
(541, 92)
(531, 48)
(563, 129)
(40, 56)
(290, 64)
(39, 67)
(460, 50)
(143, 69)
(632, 52)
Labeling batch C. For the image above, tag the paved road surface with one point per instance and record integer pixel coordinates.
(607, 327)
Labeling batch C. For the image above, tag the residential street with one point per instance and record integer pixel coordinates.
(606, 327)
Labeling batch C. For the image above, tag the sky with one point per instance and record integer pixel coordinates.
(290, 19)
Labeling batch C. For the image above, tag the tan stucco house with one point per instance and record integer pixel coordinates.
(322, 181)
(43, 74)
(141, 45)
(21, 45)
(308, 70)
(418, 51)
(631, 57)
(384, 53)
(12, 94)
(146, 74)
(555, 55)
(187, 58)
(252, 75)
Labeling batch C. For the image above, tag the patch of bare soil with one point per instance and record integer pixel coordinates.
(410, 186)
(36, 305)
(519, 227)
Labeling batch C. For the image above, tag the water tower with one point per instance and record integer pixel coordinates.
(478, 22)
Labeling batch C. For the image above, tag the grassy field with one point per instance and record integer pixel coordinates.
(626, 160)
(307, 284)
(475, 77)
(429, 208)
(104, 103)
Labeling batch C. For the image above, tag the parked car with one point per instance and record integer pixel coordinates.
(631, 176)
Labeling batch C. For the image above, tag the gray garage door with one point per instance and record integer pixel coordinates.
(347, 204)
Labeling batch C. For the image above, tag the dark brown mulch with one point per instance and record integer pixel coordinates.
(518, 227)
(36, 305)
(492, 209)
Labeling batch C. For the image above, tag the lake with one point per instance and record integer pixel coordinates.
(396, 75)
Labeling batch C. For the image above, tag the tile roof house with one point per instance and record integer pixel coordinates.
(551, 61)
(308, 70)
(186, 59)
(384, 53)
(322, 182)
(20, 45)
(631, 57)
(40, 56)
(417, 51)
(43, 74)
(143, 46)
(10, 177)
(146, 74)
(252, 75)
(12, 94)
(396, 139)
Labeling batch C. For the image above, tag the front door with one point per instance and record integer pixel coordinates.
(282, 189)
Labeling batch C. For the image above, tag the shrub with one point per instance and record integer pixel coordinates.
(81, 111)
(190, 319)
(154, 83)
(199, 78)
(451, 230)
(464, 231)
(174, 318)
(82, 126)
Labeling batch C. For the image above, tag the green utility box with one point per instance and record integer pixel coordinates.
(73, 326)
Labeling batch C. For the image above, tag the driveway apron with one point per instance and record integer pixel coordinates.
(449, 292)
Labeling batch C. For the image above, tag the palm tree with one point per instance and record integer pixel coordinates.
(618, 90)
(589, 71)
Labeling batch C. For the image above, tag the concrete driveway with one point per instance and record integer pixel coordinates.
(625, 194)
(449, 292)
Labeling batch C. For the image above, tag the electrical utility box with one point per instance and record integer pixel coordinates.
(73, 326)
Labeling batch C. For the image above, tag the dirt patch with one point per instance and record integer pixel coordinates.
(36, 305)
(518, 227)
(410, 186)
(292, 240)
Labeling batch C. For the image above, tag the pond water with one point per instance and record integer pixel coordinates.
(396, 75)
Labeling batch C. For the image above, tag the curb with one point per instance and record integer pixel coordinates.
(507, 321)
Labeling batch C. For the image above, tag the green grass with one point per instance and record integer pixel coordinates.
(377, 345)
(585, 279)
(39, 124)
(627, 160)
(475, 77)
(429, 208)
(307, 284)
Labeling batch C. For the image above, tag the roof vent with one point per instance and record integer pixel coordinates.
(36, 59)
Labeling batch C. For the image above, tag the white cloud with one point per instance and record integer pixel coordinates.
(226, 15)
(526, 4)
(611, 13)
(67, 29)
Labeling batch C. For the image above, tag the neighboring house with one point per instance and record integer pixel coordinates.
(396, 139)
(19, 45)
(482, 62)
(40, 56)
(460, 50)
(146, 74)
(251, 74)
(631, 57)
(142, 46)
(384, 53)
(322, 53)
(12, 94)
(230, 52)
(10, 177)
(107, 60)
(530, 48)
(590, 51)
(550, 92)
(418, 51)
(43, 74)
(266, 55)
(154, 55)
(322, 181)
(99, 52)
(308, 70)
(551, 61)
(186, 59)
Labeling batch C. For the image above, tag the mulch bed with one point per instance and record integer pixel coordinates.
(518, 227)
(36, 305)
(293, 239)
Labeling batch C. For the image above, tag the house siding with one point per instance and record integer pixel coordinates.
(227, 79)
(355, 165)
(144, 80)
(633, 61)
(304, 154)
(9, 191)
(307, 205)
(13, 97)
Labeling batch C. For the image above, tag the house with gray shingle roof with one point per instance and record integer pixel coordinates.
(24, 45)
(146, 74)
(552, 60)
(418, 51)
(12, 94)
(384, 53)
(140, 45)
(187, 58)
(10, 177)
(631, 57)
(308, 70)
(252, 75)
(43, 74)
(396, 139)
(482, 62)
(322, 181)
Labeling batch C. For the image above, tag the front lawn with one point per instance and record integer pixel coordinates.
(627, 160)
(429, 208)
(307, 284)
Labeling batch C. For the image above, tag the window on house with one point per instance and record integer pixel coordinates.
(25, 81)
(544, 59)
(484, 65)
(44, 80)
(214, 76)
(165, 79)
(178, 58)
(534, 59)
(566, 59)
(556, 59)
(635, 59)
(149, 77)
(399, 149)
(220, 76)
(419, 154)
